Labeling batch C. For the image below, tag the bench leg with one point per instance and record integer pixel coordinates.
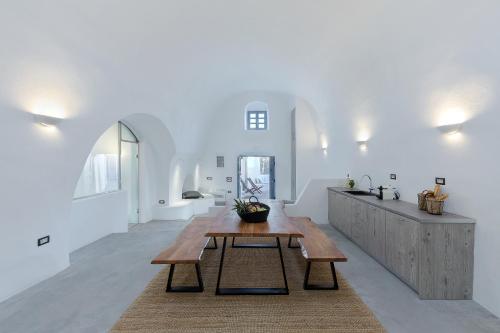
(185, 289)
(290, 246)
(308, 286)
(212, 247)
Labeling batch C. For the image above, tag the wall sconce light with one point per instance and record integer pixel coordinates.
(46, 121)
(324, 147)
(450, 129)
(363, 145)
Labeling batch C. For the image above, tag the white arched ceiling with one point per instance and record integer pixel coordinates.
(183, 56)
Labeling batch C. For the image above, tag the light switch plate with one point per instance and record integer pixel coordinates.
(440, 181)
(43, 240)
(393, 176)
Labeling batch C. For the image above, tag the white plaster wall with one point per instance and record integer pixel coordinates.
(95, 217)
(40, 170)
(447, 69)
(418, 153)
(156, 154)
(313, 200)
(182, 167)
(226, 136)
(311, 137)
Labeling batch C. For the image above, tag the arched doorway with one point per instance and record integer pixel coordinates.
(113, 165)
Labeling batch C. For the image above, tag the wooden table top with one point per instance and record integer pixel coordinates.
(229, 224)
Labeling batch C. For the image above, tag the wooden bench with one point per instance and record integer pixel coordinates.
(316, 246)
(187, 249)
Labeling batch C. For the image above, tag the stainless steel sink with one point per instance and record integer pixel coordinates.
(358, 192)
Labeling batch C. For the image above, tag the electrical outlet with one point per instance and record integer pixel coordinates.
(220, 161)
(393, 176)
(43, 240)
(440, 181)
(229, 179)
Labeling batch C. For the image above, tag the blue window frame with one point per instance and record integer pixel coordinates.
(257, 120)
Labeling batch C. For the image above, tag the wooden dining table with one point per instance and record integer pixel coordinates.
(229, 224)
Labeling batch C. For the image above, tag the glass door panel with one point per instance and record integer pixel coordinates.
(130, 178)
(256, 177)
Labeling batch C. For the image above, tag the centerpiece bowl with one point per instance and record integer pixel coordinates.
(252, 211)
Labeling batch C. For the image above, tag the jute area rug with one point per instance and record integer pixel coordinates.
(301, 311)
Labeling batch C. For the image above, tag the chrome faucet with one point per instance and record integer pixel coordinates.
(370, 179)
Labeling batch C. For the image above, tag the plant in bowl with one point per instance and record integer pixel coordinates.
(251, 211)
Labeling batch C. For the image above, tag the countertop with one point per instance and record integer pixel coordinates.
(405, 209)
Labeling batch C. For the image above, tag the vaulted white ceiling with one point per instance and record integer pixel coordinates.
(186, 57)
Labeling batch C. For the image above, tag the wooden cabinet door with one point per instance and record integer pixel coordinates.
(345, 216)
(375, 238)
(401, 250)
(335, 211)
(446, 261)
(359, 223)
(332, 209)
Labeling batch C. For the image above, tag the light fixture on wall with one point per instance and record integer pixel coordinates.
(450, 129)
(363, 145)
(324, 147)
(46, 121)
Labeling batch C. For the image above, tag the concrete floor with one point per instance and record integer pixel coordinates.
(107, 275)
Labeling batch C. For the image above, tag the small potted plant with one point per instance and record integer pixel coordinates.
(251, 211)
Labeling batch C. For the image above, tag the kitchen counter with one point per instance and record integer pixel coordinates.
(432, 254)
(405, 209)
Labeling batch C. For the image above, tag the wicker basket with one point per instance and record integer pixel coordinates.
(435, 207)
(422, 202)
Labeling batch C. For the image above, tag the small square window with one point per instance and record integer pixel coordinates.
(257, 120)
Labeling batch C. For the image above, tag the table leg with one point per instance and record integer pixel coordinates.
(251, 291)
(217, 289)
